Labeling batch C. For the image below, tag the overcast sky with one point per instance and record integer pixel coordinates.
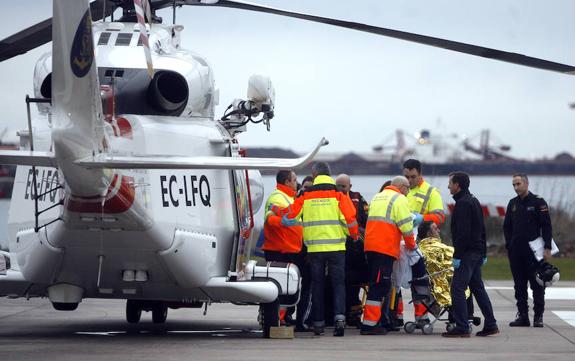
(356, 88)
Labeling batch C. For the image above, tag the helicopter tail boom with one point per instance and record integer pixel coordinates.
(76, 105)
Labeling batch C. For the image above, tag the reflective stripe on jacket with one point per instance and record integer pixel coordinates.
(278, 237)
(388, 221)
(328, 216)
(426, 199)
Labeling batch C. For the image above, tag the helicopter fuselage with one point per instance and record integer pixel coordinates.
(169, 235)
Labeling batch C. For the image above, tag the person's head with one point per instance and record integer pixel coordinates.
(343, 183)
(402, 183)
(307, 182)
(287, 178)
(520, 184)
(412, 171)
(428, 229)
(458, 181)
(387, 183)
(320, 168)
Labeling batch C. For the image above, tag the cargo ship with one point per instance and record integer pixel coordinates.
(439, 154)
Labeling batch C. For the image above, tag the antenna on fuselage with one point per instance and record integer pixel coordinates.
(174, 12)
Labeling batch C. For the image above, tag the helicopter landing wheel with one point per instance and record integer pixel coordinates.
(269, 316)
(133, 311)
(159, 313)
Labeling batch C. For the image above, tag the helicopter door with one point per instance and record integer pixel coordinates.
(246, 240)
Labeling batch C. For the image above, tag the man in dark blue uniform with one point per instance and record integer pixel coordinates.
(468, 235)
(526, 219)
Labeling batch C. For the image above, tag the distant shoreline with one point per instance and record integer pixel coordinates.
(356, 164)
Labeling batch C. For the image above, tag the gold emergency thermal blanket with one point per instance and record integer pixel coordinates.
(438, 257)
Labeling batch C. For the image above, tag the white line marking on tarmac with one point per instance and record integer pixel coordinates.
(551, 293)
(567, 316)
(498, 288)
(560, 293)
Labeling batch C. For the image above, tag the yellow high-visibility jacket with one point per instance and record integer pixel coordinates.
(328, 216)
(426, 200)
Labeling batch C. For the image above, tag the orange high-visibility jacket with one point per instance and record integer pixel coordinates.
(388, 221)
(278, 237)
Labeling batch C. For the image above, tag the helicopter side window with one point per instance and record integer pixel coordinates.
(104, 38)
(124, 39)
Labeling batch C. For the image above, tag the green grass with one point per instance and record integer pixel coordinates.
(497, 268)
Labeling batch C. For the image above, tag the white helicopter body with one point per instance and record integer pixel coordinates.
(148, 197)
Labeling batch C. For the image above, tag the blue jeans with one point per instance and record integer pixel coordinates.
(335, 262)
(469, 274)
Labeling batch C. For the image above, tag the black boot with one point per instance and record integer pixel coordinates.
(538, 321)
(339, 329)
(522, 320)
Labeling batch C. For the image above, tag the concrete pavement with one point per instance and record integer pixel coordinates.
(32, 330)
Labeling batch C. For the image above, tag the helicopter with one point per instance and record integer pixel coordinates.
(128, 186)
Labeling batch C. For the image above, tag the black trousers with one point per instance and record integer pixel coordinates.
(523, 265)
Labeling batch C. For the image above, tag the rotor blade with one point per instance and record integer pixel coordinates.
(142, 8)
(183, 162)
(41, 33)
(476, 50)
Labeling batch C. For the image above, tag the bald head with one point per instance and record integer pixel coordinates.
(402, 183)
(343, 183)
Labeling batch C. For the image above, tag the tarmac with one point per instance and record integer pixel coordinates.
(32, 330)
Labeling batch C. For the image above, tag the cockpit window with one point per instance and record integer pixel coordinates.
(104, 38)
(124, 39)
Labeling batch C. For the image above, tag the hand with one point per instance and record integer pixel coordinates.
(288, 222)
(546, 255)
(484, 260)
(417, 219)
(274, 209)
(456, 262)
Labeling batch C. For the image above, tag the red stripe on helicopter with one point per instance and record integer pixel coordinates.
(489, 210)
(120, 197)
(124, 127)
(121, 127)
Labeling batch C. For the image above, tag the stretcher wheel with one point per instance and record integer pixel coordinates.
(449, 327)
(410, 327)
(476, 321)
(427, 329)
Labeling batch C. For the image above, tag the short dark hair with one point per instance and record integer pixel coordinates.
(308, 178)
(386, 184)
(412, 164)
(522, 175)
(321, 168)
(283, 176)
(423, 230)
(460, 178)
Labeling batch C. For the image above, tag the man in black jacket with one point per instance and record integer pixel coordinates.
(468, 234)
(526, 219)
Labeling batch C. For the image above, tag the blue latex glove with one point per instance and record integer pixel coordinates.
(456, 262)
(417, 219)
(484, 261)
(288, 222)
